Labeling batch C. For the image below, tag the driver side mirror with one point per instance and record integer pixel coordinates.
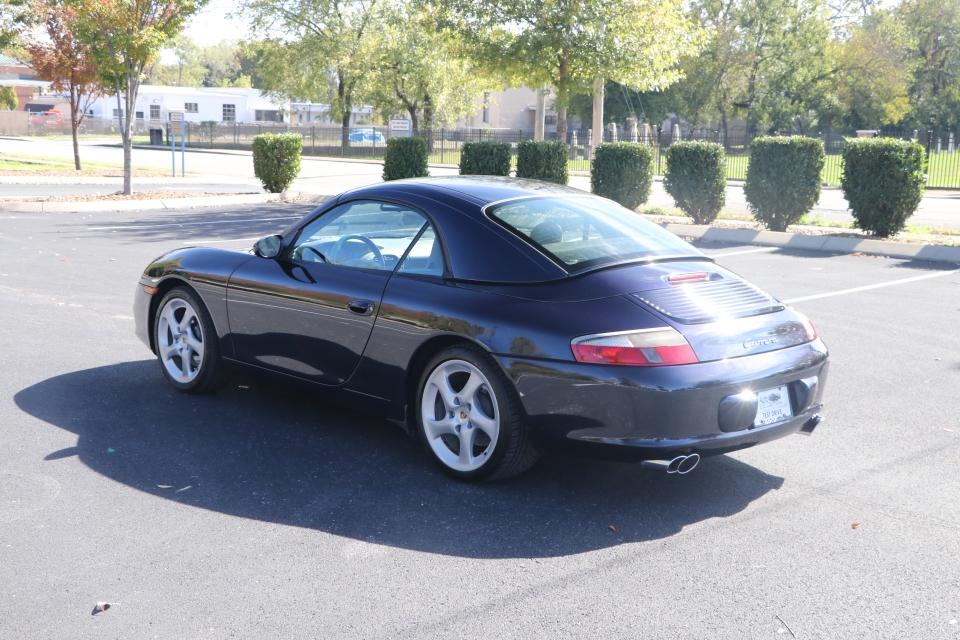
(268, 247)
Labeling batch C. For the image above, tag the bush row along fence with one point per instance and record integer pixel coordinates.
(370, 142)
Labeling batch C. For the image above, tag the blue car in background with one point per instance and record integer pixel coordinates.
(367, 137)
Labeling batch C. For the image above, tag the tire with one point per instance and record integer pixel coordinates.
(173, 343)
(490, 417)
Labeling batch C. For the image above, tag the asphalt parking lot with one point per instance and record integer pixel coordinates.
(266, 511)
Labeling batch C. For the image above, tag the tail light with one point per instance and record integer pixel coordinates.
(641, 348)
(808, 329)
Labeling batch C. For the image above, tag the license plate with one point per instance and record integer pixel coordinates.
(773, 405)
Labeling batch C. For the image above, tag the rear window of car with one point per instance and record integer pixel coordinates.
(585, 232)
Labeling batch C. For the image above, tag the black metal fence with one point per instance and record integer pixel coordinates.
(369, 142)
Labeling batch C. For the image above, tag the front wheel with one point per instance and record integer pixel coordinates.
(186, 342)
(470, 419)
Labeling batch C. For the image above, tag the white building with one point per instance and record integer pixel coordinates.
(220, 104)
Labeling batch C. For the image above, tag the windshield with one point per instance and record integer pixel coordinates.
(582, 232)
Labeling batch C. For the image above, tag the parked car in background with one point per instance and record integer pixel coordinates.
(367, 137)
(47, 119)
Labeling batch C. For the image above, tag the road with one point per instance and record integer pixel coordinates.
(939, 208)
(266, 511)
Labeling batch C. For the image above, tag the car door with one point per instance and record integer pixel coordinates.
(309, 312)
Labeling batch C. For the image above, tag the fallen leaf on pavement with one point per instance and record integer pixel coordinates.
(855, 525)
(100, 607)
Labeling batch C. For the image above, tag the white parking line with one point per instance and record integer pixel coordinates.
(869, 287)
(185, 224)
(741, 252)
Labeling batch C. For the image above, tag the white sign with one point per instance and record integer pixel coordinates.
(399, 124)
(176, 116)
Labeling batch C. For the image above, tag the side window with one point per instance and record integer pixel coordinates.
(364, 234)
(425, 257)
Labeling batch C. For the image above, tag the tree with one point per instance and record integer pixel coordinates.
(68, 64)
(8, 98)
(571, 43)
(327, 54)
(15, 17)
(420, 72)
(934, 27)
(874, 72)
(126, 36)
(186, 71)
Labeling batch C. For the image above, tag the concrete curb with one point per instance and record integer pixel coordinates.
(822, 243)
(88, 206)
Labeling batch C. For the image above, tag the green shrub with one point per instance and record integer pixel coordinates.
(276, 159)
(783, 179)
(695, 179)
(405, 158)
(883, 181)
(622, 171)
(542, 161)
(485, 159)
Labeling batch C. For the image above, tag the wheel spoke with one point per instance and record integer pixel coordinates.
(195, 345)
(467, 437)
(188, 317)
(170, 317)
(469, 391)
(437, 428)
(167, 351)
(186, 366)
(447, 394)
(486, 424)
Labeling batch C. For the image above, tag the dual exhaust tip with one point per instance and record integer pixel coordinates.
(680, 465)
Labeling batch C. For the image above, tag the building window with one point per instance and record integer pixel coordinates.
(267, 115)
(139, 115)
(190, 107)
(229, 113)
(154, 112)
(486, 107)
(116, 113)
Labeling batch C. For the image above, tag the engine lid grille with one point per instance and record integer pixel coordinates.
(709, 301)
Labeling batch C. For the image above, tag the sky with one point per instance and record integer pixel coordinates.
(212, 25)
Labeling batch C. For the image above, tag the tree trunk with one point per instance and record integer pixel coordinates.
(346, 108)
(75, 124)
(563, 96)
(428, 120)
(126, 132)
(414, 121)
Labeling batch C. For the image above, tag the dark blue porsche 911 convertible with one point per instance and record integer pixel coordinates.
(494, 316)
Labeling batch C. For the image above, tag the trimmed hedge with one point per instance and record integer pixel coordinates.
(622, 171)
(696, 180)
(405, 158)
(276, 159)
(542, 161)
(783, 179)
(883, 181)
(485, 159)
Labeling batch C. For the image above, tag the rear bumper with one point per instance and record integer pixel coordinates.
(659, 412)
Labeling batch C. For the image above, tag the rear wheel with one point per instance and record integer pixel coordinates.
(469, 417)
(186, 342)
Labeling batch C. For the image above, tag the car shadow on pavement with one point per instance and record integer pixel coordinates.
(279, 453)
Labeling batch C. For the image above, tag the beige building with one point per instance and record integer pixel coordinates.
(513, 108)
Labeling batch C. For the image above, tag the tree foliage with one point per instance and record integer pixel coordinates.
(569, 44)
(420, 71)
(319, 50)
(15, 17)
(8, 98)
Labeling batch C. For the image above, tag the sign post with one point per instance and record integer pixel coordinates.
(177, 125)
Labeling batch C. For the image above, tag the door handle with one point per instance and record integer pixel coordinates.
(362, 307)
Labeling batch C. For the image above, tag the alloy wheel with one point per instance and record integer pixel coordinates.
(461, 417)
(180, 340)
